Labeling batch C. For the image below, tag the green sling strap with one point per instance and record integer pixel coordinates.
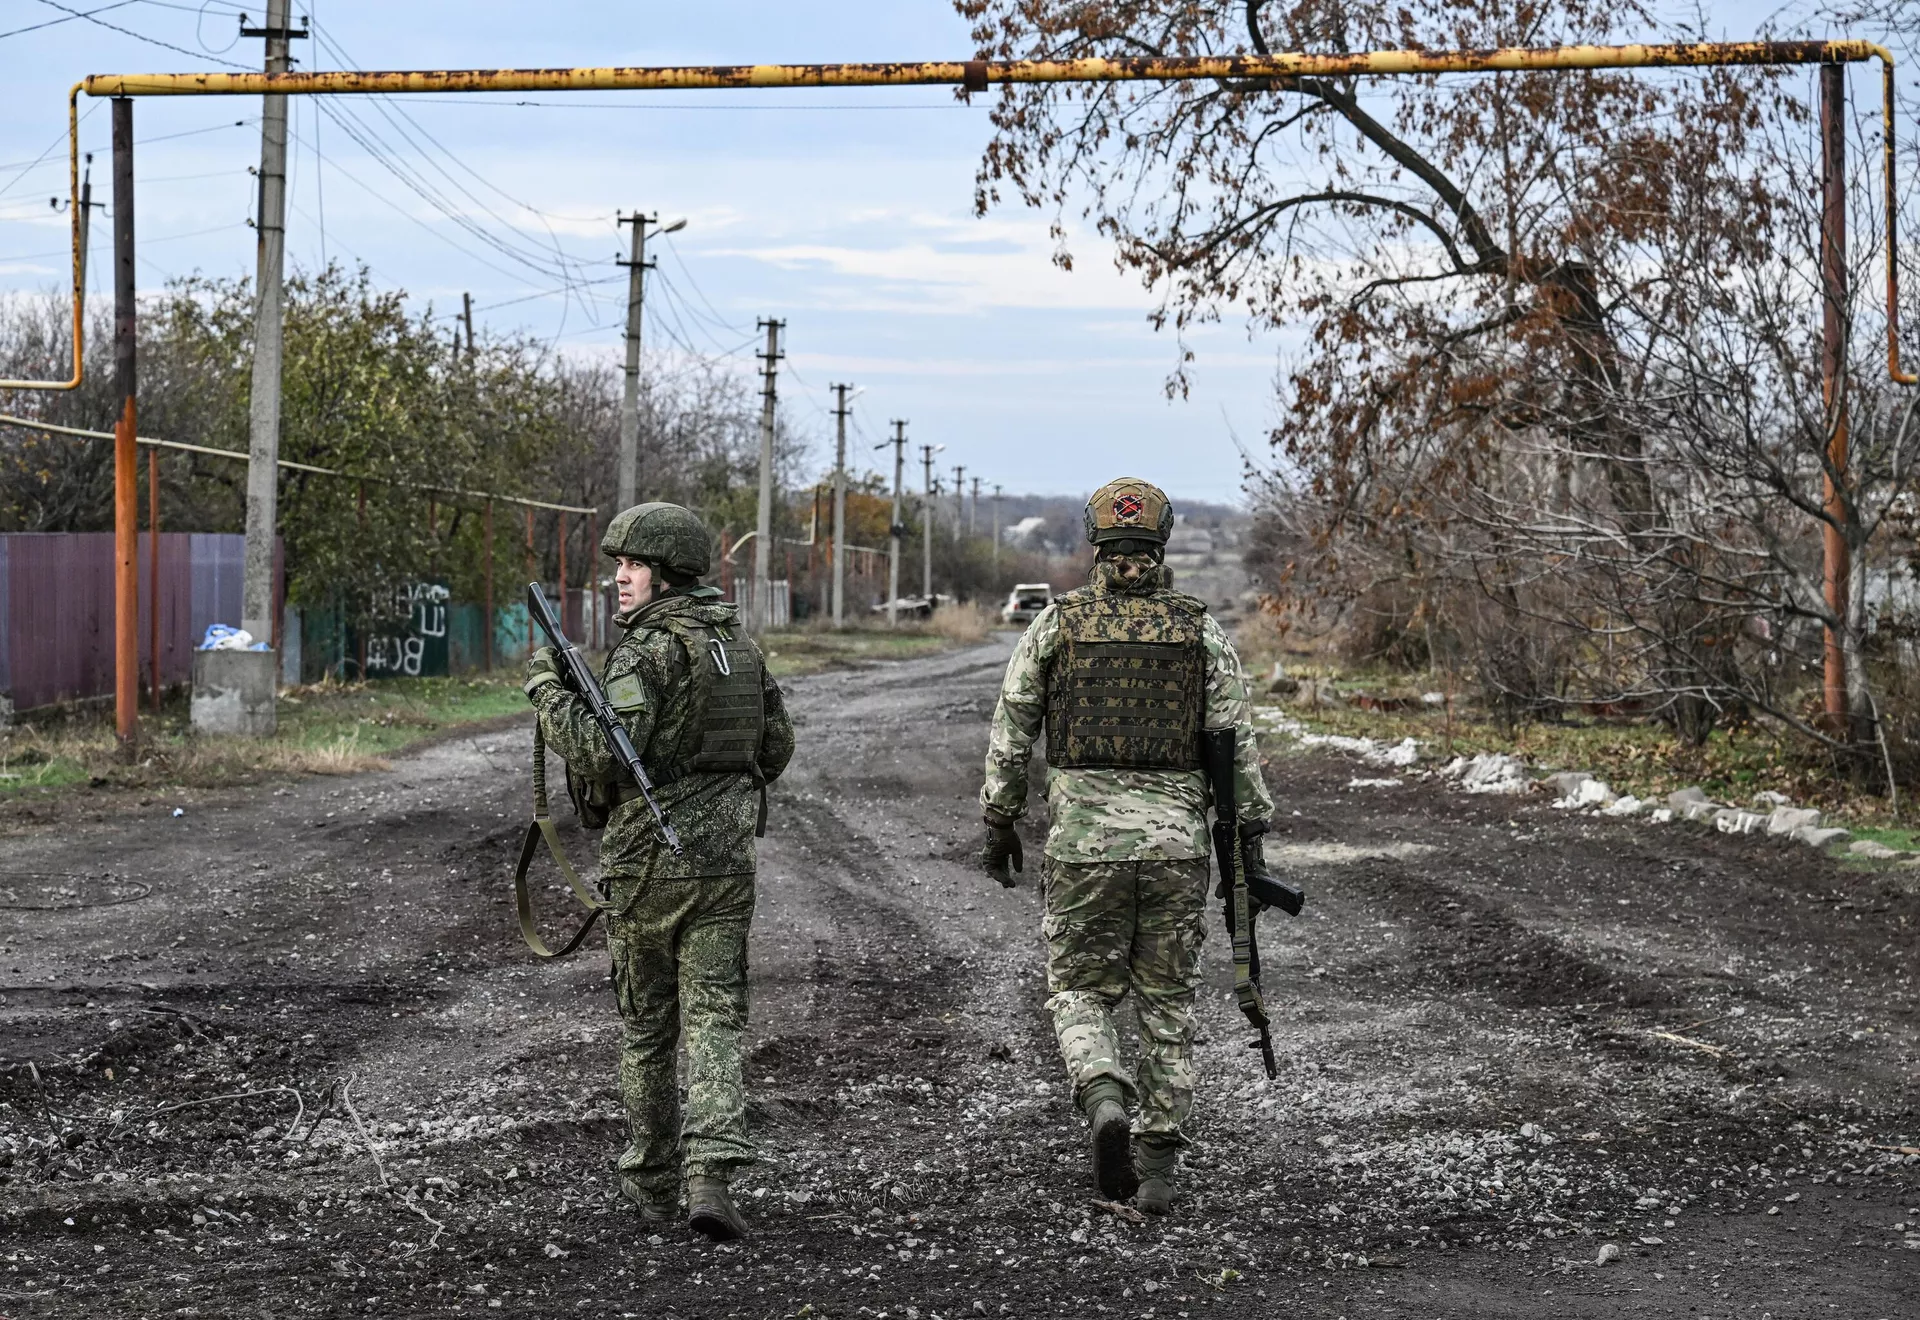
(541, 828)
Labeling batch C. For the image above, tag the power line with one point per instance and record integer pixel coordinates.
(141, 36)
(56, 22)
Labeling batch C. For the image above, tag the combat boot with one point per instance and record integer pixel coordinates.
(1153, 1161)
(710, 1210)
(653, 1208)
(1109, 1133)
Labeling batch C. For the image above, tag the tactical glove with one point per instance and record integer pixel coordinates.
(1002, 846)
(543, 666)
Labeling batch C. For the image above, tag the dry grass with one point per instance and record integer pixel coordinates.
(963, 621)
(325, 729)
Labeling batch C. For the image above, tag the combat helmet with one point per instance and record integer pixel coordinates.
(1129, 516)
(666, 535)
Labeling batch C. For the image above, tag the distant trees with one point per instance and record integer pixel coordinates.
(1557, 416)
(374, 390)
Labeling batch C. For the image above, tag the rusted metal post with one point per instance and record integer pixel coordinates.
(593, 581)
(153, 573)
(486, 629)
(1833, 366)
(126, 479)
(566, 623)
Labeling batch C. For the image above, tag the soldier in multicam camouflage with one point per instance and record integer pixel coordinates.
(1123, 674)
(712, 729)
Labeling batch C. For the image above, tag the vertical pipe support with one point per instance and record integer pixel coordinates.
(126, 579)
(565, 625)
(1838, 503)
(153, 573)
(486, 643)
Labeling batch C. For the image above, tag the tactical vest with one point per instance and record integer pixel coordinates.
(726, 715)
(1128, 686)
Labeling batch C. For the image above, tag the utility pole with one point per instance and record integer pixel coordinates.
(840, 510)
(896, 531)
(762, 612)
(87, 205)
(628, 483)
(973, 508)
(959, 500)
(996, 527)
(926, 559)
(466, 318)
(263, 422)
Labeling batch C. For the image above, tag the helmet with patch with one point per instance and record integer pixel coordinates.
(1129, 509)
(668, 535)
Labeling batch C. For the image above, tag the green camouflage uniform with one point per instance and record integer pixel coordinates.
(1126, 871)
(677, 929)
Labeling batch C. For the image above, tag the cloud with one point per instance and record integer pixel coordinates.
(930, 264)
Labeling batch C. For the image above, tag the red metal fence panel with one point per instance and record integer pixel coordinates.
(56, 610)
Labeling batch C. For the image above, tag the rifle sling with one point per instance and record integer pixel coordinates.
(538, 829)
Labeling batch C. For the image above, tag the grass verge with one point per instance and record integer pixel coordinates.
(327, 728)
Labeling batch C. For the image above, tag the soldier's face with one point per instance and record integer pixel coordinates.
(633, 581)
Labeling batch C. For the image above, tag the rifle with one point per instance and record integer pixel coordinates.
(1245, 892)
(580, 678)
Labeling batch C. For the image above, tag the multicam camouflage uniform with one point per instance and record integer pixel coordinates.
(1126, 870)
(678, 925)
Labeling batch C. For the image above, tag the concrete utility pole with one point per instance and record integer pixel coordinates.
(840, 510)
(263, 422)
(896, 532)
(996, 526)
(762, 611)
(466, 319)
(959, 500)
(973, 508)
(926, 559)
(87, 205)
(628, 481)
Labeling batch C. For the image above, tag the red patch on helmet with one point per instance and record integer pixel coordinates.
(1128, 507)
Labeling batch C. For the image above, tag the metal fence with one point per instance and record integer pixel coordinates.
(56, 610)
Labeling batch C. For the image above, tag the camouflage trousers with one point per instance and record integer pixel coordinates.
(680, 973)
(1119, 927)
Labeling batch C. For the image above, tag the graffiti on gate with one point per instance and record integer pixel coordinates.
(409, 639)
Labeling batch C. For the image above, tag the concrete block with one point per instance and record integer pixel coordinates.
(1874, 849)
(234, 691)
(1565, 783)
(1815, 837)
(1785, 820)
(1680, 799)
(1732, 820)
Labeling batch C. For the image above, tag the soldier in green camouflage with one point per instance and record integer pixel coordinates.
(711, 728)
(1123, 674)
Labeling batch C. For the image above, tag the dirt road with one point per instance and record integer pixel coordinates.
(1509, 1037)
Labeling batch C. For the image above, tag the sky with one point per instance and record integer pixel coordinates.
(848, 214)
